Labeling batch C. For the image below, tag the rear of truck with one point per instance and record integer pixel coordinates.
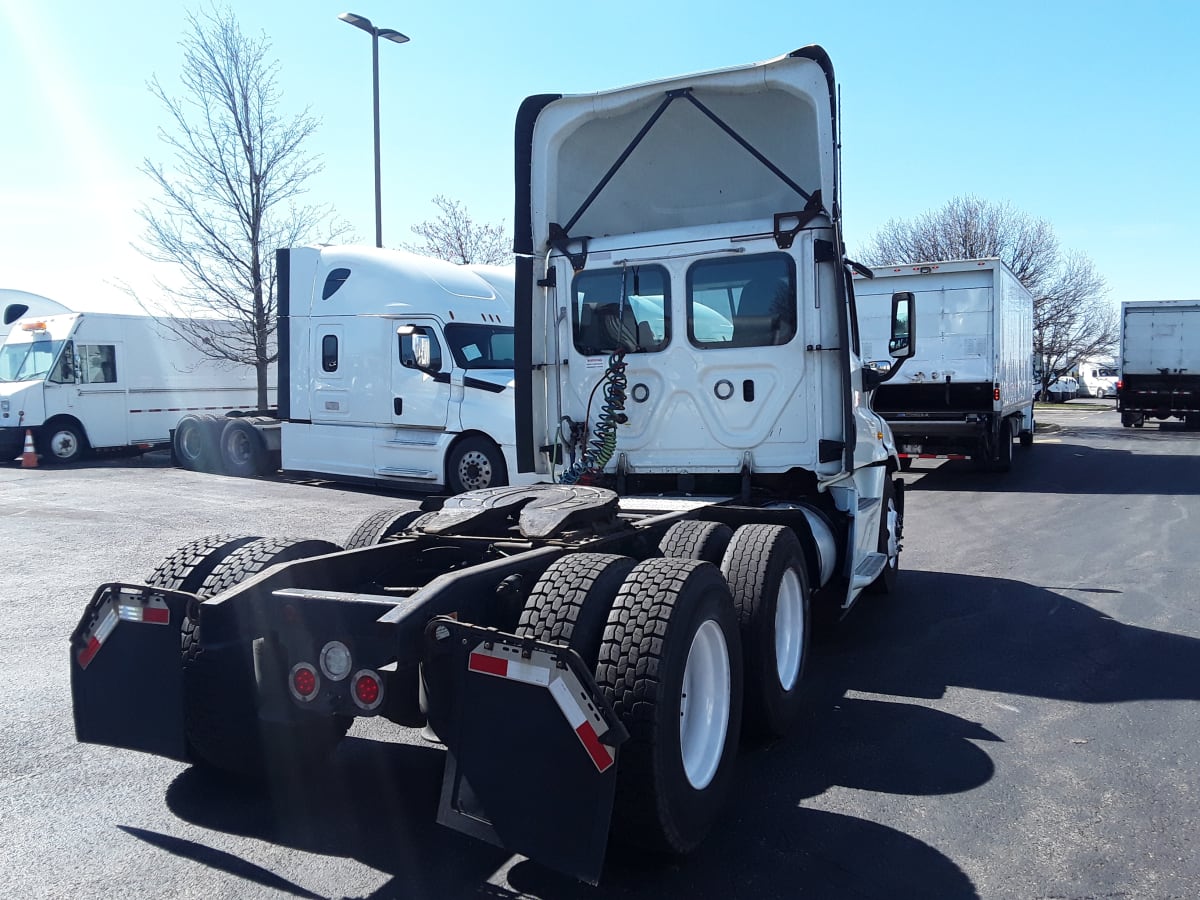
(968, 392)
(1160, 362)
(590, 650)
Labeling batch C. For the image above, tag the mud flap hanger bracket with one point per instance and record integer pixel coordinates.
(532, 745)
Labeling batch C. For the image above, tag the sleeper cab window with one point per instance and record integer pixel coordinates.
(329, 353)
(621, 310)
(333, 281)
(742, 301)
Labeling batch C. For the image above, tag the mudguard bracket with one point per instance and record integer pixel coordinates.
(532, 745)
(127, 669)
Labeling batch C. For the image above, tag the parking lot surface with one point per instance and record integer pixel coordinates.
(1021, 719)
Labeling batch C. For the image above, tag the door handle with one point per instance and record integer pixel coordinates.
(398, 405)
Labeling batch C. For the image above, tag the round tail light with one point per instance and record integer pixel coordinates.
(304, 682)
(367, 689)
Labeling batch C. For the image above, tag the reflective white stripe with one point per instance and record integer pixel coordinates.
(562, 696)
(107, 624)
(523, 671)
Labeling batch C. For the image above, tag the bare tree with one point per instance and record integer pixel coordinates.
(1072, 319)
(229, 198)
(456, 237)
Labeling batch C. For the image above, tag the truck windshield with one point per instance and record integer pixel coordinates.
(481, 346)
(29, 361)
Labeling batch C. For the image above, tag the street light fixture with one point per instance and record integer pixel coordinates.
(396, 37)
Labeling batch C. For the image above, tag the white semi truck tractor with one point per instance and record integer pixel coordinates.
(590, 649)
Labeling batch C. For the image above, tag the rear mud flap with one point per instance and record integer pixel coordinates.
(532, 759)
(126, 670)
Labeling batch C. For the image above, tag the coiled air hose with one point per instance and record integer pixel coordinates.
(603, 442)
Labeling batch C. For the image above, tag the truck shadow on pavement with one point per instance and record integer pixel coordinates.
(377, 801)
(1067, 468)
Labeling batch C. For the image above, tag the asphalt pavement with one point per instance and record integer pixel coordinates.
(1020, 719)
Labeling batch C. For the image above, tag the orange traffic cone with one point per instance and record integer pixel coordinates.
(28, 455)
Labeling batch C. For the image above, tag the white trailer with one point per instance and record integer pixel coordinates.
(1160, 361)
(394, 369)
(83, 381)
(969, 390)
(591, 651)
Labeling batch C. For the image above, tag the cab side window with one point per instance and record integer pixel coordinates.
(98, 363)
(64, 369)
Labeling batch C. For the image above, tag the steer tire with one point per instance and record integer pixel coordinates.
(690, 539)
(475, 463)
(377, 528)
(667, 613)
(891, 526)
(221, 721)
(188, 567)
(570, 602)
(768, 575)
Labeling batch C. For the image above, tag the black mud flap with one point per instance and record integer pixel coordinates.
(532, 759)
(126, 670)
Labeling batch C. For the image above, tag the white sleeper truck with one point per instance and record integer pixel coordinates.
(968, 393)
(86, 381)
(1160, 361)
(394, 369)
(590, 649)
(16, 305)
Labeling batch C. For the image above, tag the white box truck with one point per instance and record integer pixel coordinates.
(1160, 361)
(83, 381)
(968, 393)
(590, 651)
(394, 369)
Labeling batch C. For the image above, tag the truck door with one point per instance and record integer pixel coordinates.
(90, 384)
(421, 375)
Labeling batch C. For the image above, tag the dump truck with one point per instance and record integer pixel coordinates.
(590, 649)
(969, 393)
(1160, 361)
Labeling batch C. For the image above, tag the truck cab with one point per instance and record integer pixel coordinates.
(593, 648)
(359, 401)
(681, 253)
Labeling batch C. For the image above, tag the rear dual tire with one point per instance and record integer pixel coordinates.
(670, 665)
(221, 723)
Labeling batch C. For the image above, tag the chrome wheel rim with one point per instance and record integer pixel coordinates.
(475, 470)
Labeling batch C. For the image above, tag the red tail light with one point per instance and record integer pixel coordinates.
(1120, 385)
(996, 394)
(368, 689)
(304, 682)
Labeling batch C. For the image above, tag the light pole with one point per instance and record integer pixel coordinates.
(376, 33)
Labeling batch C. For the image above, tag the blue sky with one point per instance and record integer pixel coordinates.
(1084, 114)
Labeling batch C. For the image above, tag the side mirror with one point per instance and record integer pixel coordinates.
(421, 350)
(416, 349)
(903, 341)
